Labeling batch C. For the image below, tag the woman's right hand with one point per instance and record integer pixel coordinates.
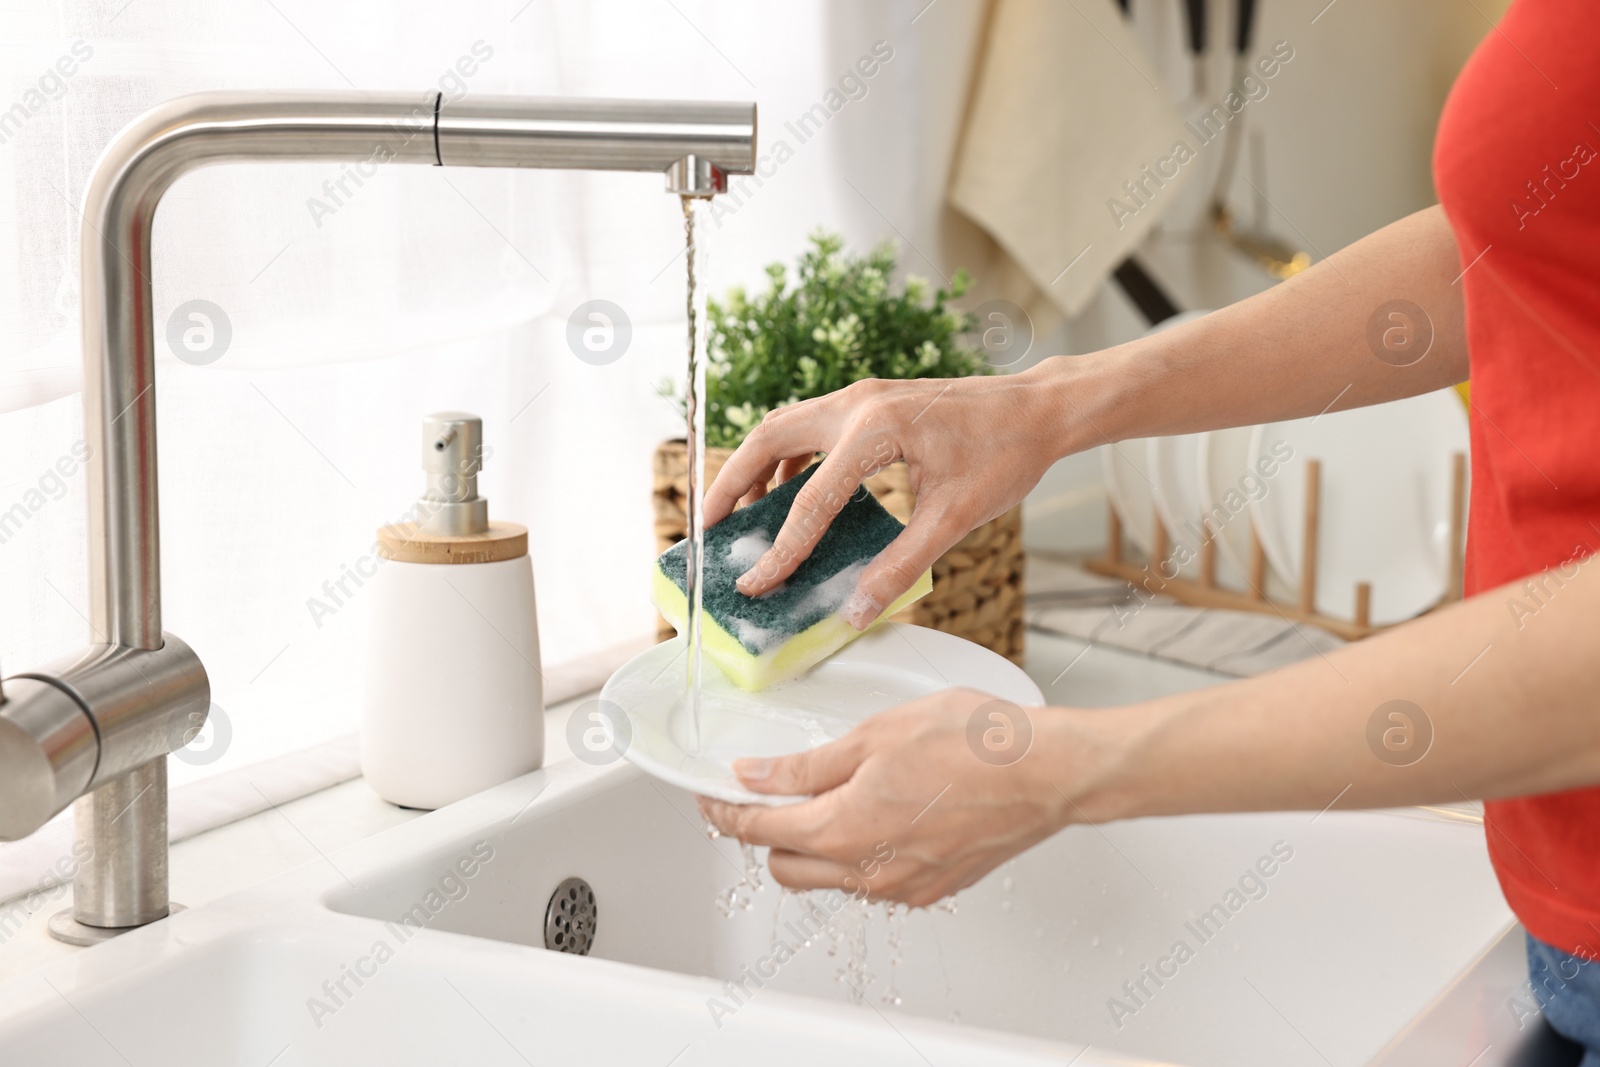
(974, 447)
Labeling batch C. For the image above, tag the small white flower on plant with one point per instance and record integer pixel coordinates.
(916, 288)
(873, 283)
(927, 355)
(809, 372)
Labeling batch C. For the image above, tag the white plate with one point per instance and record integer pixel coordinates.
(891, 664)
(1172, 462)
(1130, 483)
(1129, 487)
(1227, 481)
(1385, 502)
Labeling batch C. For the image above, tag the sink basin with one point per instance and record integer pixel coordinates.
(1310, 961)
(1309, 939)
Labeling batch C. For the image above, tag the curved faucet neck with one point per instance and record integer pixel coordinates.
(695, 144)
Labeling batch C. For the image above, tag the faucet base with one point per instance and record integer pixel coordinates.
(120, 833)
(63, 927)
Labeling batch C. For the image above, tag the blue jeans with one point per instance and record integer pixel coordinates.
(1568, 991)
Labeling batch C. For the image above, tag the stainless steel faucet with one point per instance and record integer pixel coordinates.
(95, 730)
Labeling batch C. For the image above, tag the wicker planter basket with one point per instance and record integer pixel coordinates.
(977, 585)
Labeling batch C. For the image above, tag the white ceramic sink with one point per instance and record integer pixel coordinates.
(1368, 918)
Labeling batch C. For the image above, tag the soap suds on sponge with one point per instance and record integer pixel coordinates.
(758, 641)
(745, 551)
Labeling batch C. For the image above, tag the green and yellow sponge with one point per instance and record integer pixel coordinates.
(759, 641)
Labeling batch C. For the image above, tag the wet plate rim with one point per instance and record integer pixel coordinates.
(917, 659)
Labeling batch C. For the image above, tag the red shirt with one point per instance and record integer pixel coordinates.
(1517, 166)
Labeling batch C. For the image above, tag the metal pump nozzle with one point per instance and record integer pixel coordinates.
(452, 456)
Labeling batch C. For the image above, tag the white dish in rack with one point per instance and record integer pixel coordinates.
(1385, 502)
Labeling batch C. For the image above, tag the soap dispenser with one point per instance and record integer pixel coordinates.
(454, 696)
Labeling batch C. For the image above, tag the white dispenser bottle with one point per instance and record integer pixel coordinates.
(454, 695)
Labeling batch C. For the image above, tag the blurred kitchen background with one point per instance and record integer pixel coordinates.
(353, 307)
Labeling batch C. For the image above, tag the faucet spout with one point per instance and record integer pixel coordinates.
(696, 144)
(96, 730)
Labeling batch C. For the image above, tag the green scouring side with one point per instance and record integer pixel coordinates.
(759, 640)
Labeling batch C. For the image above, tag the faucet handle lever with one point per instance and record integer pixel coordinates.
(49, 748)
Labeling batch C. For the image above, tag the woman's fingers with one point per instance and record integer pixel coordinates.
(784, 470)
(758, 490)
(786, 827)
(796, 870)
(793, 466)
(805, 773)
(738, 476)
(815, 507)
(752, 463)
(897, 568)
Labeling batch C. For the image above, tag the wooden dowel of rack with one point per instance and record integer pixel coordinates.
(1458, 522)
(1308, 551)
(1205, 592)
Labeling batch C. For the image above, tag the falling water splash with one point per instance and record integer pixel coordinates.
(784, 893)
(844, 921)
(694, 573)
(852, 922)
(737, 897)
(897, 917)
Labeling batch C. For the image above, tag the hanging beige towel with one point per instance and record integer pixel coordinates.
(1065, 111)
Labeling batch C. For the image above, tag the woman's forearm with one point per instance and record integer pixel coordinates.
(1497, 699)
(976, 446)
(1297, 349)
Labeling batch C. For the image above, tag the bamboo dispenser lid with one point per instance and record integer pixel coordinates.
(453, 520)
(406, 542)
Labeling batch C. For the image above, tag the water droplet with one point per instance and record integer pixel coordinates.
(1094, 942)
(1007, 882)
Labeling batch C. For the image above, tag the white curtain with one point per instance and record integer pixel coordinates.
(354, 312)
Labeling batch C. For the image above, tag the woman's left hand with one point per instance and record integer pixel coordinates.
(917, 802)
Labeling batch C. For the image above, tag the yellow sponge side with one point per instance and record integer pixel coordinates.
(789, 660)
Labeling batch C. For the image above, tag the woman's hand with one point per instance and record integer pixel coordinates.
(974, 447)
(919, 801)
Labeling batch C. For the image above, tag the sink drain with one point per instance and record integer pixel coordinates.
(569, 921)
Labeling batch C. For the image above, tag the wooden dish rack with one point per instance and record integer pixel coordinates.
(1205, 592)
